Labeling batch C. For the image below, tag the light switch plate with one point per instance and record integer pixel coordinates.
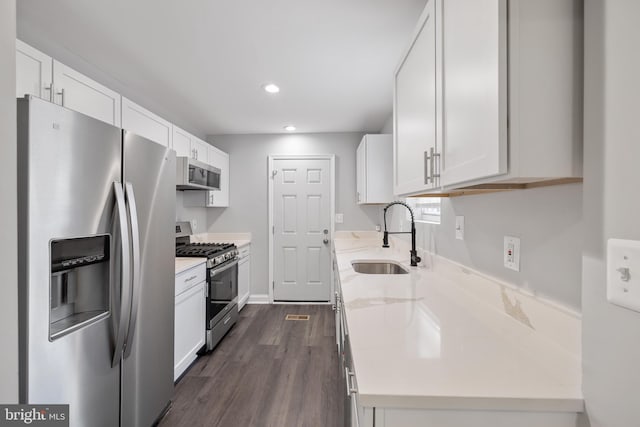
(194, 225)
(512, 253)
(623, 273)
(339, 218)
(460, 227)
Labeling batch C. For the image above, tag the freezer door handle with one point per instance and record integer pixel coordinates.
(125, 286)
(135, 244)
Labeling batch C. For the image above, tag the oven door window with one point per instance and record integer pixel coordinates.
(223, 288)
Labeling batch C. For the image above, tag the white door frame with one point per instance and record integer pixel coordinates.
(332, 199)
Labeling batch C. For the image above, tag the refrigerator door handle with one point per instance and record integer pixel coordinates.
(135, 243)
(125, 299)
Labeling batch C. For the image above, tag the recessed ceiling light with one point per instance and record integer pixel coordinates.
(271, 88)
(290, 128)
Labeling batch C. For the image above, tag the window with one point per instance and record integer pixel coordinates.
(425, 209)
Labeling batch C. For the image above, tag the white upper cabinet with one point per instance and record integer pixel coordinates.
(199, 150)
(188, 145)
(220, 160)
(373, 169)
(212, 199)
(416, 103)
(143, 122)
(34, 73)
(474, 35)
(508, 97)
(181, 142)
(78, 92)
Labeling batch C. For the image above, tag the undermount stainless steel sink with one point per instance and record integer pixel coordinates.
(378, 267)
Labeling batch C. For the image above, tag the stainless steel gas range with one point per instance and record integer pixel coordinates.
(222, 282)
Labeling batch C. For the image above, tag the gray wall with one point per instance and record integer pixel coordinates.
(548, 222)
(248, 210)
(8, 201)
(190, 213)
(611, 344)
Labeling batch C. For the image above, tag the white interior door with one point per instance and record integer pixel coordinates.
(302, 229)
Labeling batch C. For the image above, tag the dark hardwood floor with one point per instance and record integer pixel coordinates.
(266, 372)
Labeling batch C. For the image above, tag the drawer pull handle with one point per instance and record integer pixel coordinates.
(191, 278)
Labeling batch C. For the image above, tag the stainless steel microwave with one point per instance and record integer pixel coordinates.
(194, 175)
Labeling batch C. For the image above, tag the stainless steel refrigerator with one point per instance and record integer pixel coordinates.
(96, 267)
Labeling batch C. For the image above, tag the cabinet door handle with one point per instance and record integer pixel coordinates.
(350, 387)
(427, 160)
(436, 167)
(61, 93)
(50, 89)
(432, 158)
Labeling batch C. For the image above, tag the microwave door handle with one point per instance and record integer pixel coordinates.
(125, 285)
(135, 244)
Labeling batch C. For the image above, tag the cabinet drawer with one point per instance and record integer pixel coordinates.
(244, 251)
(191, 277)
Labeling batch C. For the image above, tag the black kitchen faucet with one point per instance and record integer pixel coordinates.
(415, 259)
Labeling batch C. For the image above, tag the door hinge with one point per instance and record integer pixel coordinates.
(273, 229)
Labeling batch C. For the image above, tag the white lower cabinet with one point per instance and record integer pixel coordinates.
(190, 318)
(244, 276)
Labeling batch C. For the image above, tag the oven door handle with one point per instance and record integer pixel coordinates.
(226, 267)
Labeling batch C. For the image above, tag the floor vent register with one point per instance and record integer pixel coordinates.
(297, 317)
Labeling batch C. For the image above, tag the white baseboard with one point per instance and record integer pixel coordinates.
(258, 299)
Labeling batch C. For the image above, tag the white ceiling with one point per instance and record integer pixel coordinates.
(205, 61)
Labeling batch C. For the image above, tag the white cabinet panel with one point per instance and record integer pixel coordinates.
(220, 160)
(78, 92)
(361, 171)
(33, 72)
(244, 277)
(212, 199)
(374, 170)
(475, 89)
(144, 123)
(181, 142)
(189, 326)
(416, 126)
(199, 150)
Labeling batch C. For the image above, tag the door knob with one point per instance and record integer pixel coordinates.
(326, 239)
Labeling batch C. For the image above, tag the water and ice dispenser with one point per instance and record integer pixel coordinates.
(79, 286)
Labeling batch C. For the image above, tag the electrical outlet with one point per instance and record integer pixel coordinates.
(460, 227)
(339, 218)
(512, 253)
(623, 273)
(194, 225)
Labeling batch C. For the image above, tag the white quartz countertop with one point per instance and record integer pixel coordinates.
(238, 239)
(183, 263)
(442, 337)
